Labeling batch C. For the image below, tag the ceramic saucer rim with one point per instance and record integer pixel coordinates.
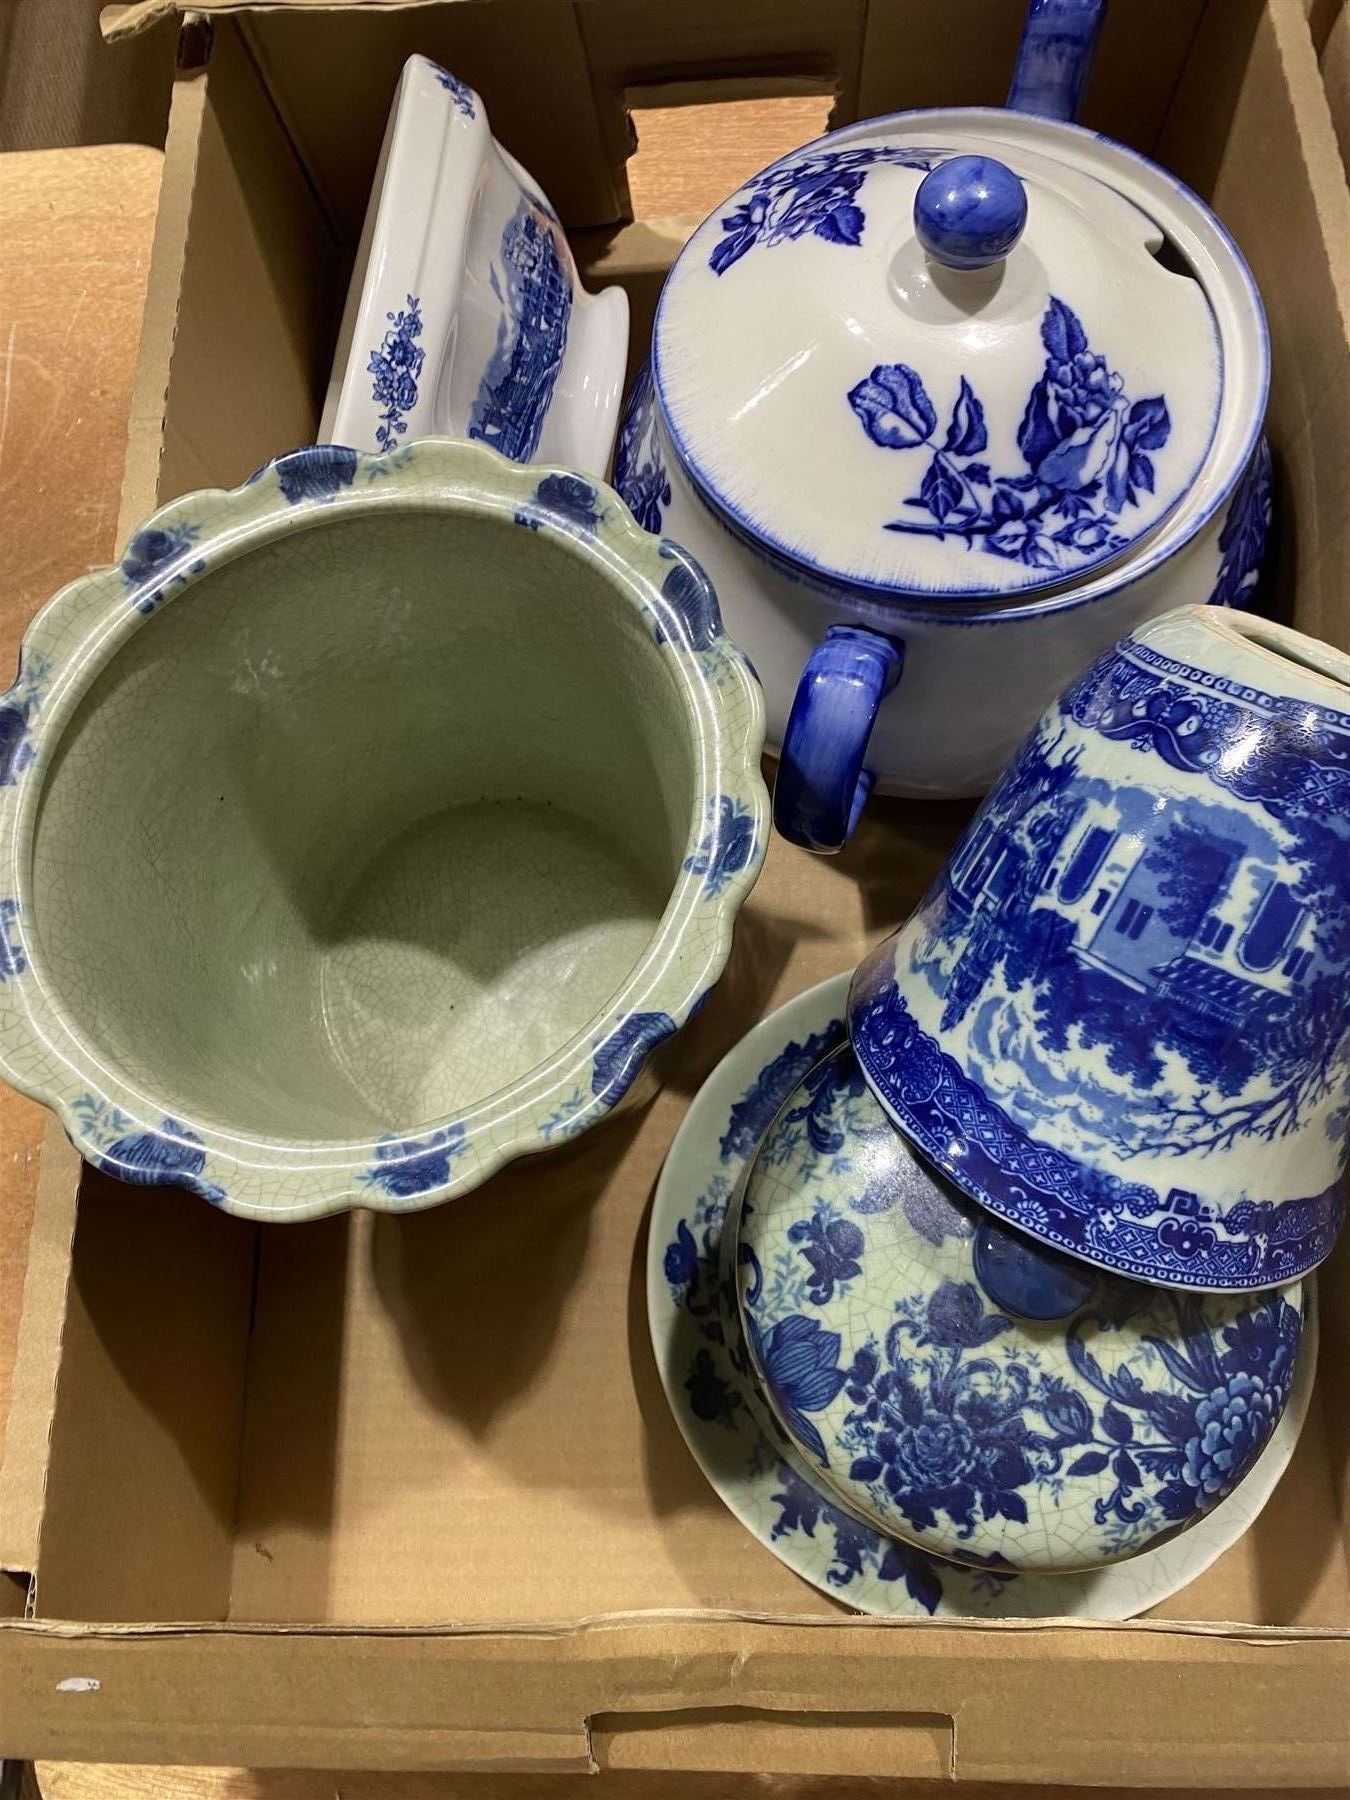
(1152, 1576)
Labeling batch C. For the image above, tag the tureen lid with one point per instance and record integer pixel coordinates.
(907, 367)
(956, 1384)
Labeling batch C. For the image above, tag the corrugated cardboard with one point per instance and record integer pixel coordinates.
(406, 1493)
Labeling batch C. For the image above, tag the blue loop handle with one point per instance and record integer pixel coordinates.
(822, 786)
(1054, 59)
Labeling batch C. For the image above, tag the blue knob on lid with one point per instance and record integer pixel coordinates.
(970, 211)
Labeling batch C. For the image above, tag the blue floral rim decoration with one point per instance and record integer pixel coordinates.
(84, 626)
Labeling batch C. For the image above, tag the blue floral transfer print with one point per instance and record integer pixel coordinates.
(1242, 542)
(566, 500)
(1085, 447)
(800, 1360)
(459, 91)
(726, 847)
(156, 560)
(534, 292)
(317, 472)
(806, 1360)
(1193, 1442)
(406, 1167)
(858, 1550)
(753, 1113)
(12, 958)
(833, 1247)
(171, 1155)
(396, 365)
(18, 708)
(814, 195)
(639, 469)
(690, 592)
(619, 1058)
(947, 1421)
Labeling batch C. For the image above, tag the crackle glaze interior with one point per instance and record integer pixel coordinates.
(888, 1318)
(383, 816)
(366, 827)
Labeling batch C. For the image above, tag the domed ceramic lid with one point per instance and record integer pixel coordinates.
(917, 370)
(961, 1387)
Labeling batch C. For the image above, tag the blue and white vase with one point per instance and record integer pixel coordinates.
(954, 1385)
(1120, 1019)
(465, 316)
(932, 403)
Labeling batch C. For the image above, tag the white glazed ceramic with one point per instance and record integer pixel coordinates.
(769, 1487)
(1121, 1017)
(465, 316)
(367, 827)
(888, 399)
(955, 1384)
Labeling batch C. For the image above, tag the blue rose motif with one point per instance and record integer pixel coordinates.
(407, 1167)
(151, 557)
(726, 847)
(619, 1058)
(800, 1360)
(1085, 447)
(894, 407)
(572, 498)
(397, 368)
(317, 472)
(173, 1154)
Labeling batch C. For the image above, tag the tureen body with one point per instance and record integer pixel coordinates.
(991, 472)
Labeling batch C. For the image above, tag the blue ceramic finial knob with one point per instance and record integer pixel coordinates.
(969, 211)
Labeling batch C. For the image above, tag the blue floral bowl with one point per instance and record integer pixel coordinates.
(1121, 1017)
(366, 827)
(960, 1387)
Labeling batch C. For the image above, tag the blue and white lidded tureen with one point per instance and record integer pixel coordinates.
(944, 403)
(954, 1384)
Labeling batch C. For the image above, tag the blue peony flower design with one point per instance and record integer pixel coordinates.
(1085, 447)
(407, 1167)
(800, 1360)
(396, 366)
(619, 1058)
(726, 847)
(155, 560)
(317, 472)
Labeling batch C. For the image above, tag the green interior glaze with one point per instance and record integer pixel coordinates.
(365, 827)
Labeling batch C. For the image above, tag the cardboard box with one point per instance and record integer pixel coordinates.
(405, 1493)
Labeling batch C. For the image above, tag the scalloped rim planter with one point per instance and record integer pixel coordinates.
(80, 631)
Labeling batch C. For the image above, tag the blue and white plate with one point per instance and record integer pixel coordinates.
(767, 1484)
